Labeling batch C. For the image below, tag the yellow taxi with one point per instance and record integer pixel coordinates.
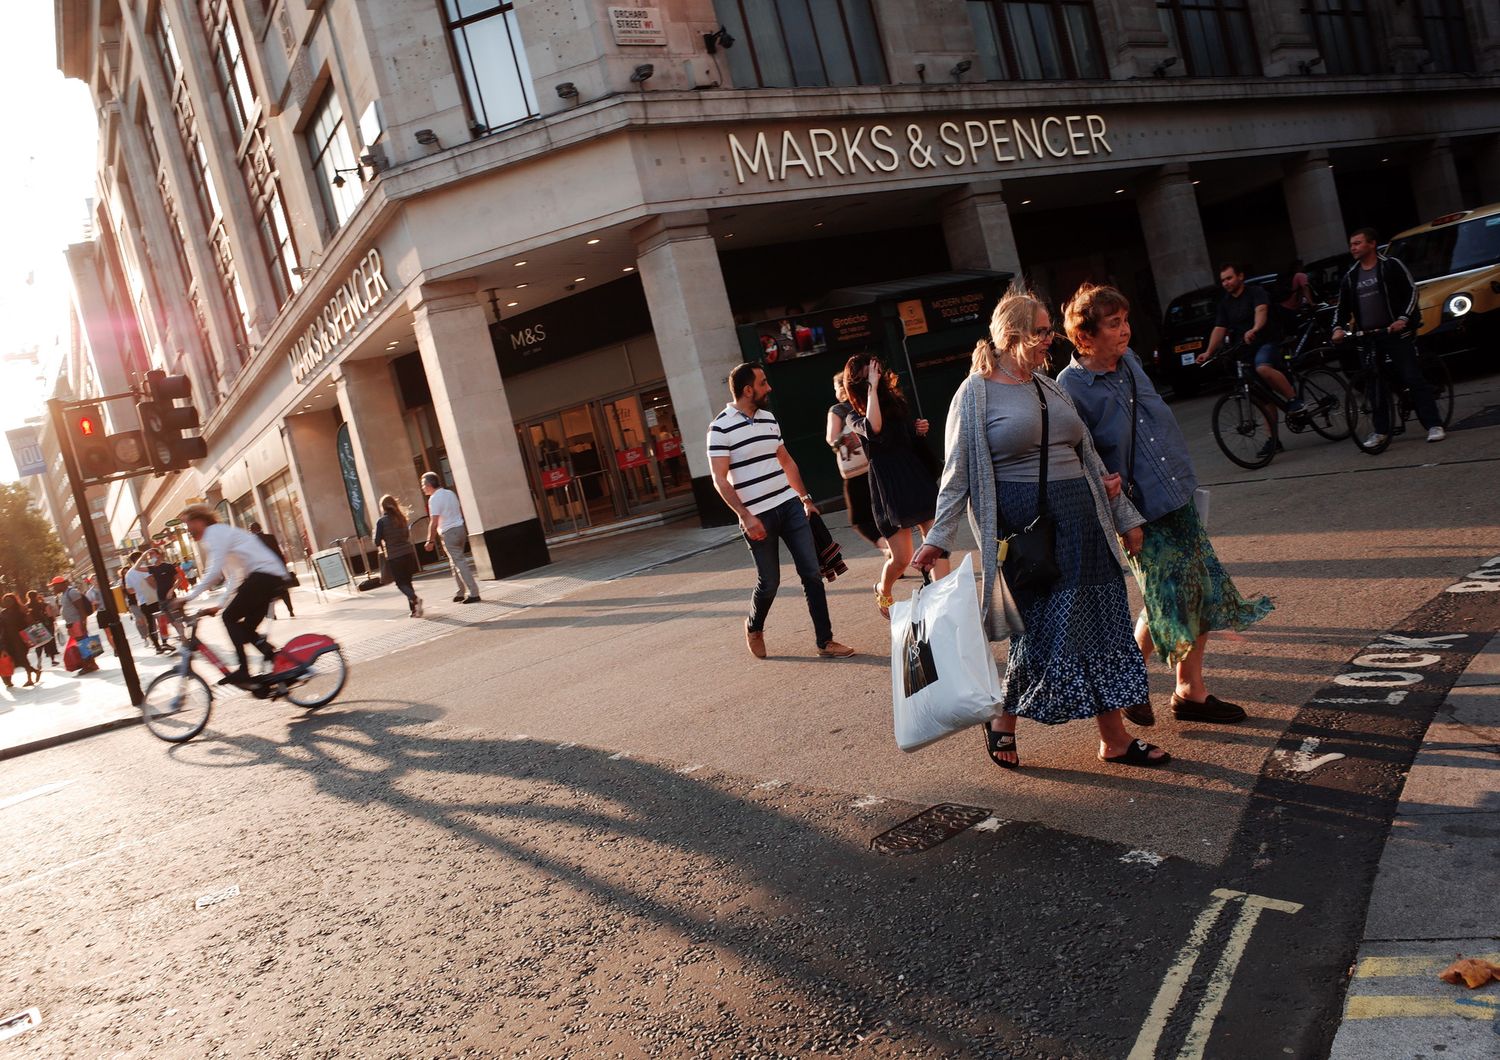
(1455, 260)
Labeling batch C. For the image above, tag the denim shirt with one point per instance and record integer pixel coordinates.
(1164, 478)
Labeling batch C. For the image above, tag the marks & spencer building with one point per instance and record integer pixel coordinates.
(522, 244)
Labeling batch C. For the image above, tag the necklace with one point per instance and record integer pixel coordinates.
(1011, 376)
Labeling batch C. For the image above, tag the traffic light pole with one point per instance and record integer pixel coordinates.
(109, 618)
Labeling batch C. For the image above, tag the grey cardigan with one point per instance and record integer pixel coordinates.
(969, 482)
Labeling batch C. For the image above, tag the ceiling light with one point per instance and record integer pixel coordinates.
(628, 268)
(521, 285)
(728, 235)
(817, 224)
(511, 305)
(1385, 159)
(1119, 191)
(579, 279)
(591, 242)
(307, 406)
(1196, 183)
(1025, 202)
(518, 264)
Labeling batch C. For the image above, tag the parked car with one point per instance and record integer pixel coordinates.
(1455, 260)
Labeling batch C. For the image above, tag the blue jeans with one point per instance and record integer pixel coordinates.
(788, 522)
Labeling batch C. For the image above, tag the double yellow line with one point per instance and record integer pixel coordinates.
(1483, 1004)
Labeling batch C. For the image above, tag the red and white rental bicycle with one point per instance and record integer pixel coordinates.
(309, 670)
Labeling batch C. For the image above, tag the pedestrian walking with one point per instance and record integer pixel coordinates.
(13, 619)
(393, 540)
(41, 612)
(1378, 294)
(1013, 439)
(759, 480)
(125, 604)
(903, 488)
(167, 577)
(1187, 591)
(140, 581)
(854, 466)
(446, 520)
(269, 540)
(75, 607)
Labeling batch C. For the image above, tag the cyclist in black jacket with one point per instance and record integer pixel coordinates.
(1379, 292)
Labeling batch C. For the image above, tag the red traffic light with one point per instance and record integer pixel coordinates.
(86, 427)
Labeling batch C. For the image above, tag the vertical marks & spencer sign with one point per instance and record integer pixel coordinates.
(340, 316)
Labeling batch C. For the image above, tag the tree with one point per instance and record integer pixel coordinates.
(30, 554)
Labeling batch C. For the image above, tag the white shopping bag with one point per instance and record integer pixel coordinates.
(943, 677)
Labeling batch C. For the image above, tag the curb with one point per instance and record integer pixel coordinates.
(67, 737)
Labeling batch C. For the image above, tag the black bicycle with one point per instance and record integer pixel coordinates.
(1242, 422)
(1375, 384)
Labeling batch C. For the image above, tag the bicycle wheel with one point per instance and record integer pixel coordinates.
(323, 680)
(1243, 431)
(176, 705)
(1435, 371)
(1325, 395)
(1361, 417)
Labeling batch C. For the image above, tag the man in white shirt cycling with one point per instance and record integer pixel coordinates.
(255, 577)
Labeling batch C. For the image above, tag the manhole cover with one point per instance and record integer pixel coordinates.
(1485, 417)
(927, 829)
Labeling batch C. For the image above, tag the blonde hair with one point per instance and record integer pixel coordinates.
(1087, 309)
(1010, 327)
(394, 508)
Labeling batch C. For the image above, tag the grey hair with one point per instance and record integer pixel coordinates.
(431, 478)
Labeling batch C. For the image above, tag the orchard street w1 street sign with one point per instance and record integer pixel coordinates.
(26, 447)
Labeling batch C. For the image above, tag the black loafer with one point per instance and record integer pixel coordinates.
(1141, 714)
(1212, 709)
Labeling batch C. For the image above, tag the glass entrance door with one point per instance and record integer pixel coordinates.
(572, 482)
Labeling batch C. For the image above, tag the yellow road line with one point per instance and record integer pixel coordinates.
(1477, 1007)
(1387, 967)
(1176, 978)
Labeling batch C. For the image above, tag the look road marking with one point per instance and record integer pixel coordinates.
(1170, 994)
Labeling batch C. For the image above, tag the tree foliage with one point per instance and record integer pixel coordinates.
(30, 553)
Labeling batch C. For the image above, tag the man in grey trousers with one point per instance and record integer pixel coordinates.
(446, 518)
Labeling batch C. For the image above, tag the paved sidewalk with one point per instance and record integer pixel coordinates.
(368, 625)
(1434, 895)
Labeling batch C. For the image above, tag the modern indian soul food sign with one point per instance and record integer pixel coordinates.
(851, 150)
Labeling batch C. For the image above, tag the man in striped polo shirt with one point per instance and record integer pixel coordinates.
(758, 478)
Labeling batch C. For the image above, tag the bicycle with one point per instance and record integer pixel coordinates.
(1400, 406)
(309, 670)
(1243, 428)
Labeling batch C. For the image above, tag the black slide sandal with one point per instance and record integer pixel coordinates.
(997, 742)
(1139, 754)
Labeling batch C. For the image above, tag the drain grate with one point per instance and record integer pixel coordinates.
(928, 828)
(1489, 416)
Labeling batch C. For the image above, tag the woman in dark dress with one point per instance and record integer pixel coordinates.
(39, 612)
(903, 489)
(13, 619)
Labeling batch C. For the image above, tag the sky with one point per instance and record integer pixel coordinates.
(48, 137)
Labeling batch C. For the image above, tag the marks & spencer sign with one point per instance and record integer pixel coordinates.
(911, 148)
(341, 316)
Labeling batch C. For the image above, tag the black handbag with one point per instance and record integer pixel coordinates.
(1030, 555)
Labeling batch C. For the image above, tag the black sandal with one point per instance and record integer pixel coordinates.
(1139, 754)
(997, 743)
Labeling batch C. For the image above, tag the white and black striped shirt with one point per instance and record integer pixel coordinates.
(751, 446)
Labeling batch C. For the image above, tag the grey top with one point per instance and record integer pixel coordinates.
(969, 483)
(1013, 427)
(1374, 311)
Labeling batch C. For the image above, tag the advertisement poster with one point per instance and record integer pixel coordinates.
(845, 331)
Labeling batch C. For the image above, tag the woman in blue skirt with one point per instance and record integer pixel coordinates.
(1072, 654)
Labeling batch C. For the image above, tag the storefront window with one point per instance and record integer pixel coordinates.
(243, 510)
(331, 152)
(1035, 40)
(1342, 30)
(1213, 37)
(284, 515)
(487, 44)
(802, 43)
(1447, 36)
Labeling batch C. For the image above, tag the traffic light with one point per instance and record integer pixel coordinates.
(90, 442)
(128, 451)
(163, 421)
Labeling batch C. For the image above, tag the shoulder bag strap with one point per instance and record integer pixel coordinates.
(1045, 455)
(1134, 418)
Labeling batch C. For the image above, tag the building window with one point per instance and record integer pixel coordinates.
(329, 147)
(166, 47)
(229, 63)
(1037, 40)
(1447, 36)
(487, 44)
(1342, 30)
(263, 182)
(802, 43)
(1213, 37)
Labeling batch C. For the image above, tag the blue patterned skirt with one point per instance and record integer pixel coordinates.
(1078, 657)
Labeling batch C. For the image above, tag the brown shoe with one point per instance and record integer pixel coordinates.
(756, 642)
(1142, 715)
(834, 650)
